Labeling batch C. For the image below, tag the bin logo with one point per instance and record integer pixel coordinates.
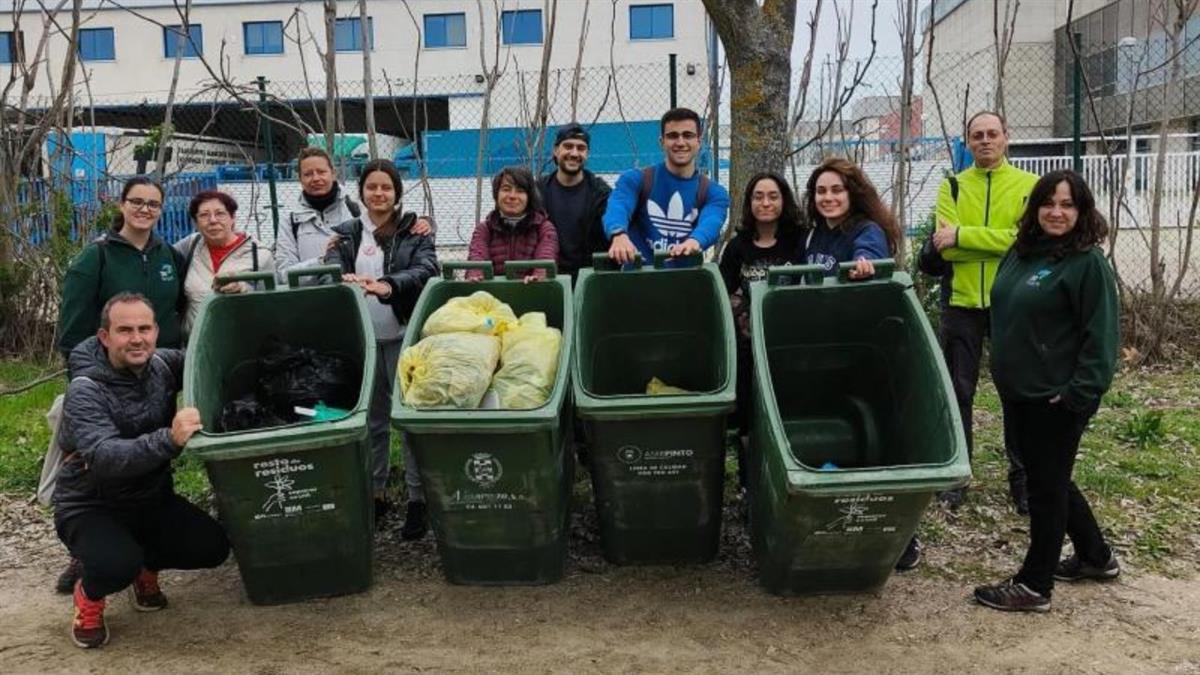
(280, 486)
(630, 454)
(483, 469)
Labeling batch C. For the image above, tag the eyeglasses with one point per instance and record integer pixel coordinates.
(148, 204)
(685, 135)
(213, 215)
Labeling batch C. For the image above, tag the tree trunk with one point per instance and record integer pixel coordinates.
(330, 75)
(758, 43)
(368, 96)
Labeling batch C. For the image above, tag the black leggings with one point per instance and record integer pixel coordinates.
(114, 544)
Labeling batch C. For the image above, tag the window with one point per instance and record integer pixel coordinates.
(521, 27)
(651, 22)
(189, 46)
(445, 30)
(11, 45)
(96, 44)
(263, 37)
(347, 34)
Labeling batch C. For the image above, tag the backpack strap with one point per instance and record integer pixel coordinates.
(702, 192)
(643, 193)
(352, 207)
(953, 180)
(254, 254)
(295, 228)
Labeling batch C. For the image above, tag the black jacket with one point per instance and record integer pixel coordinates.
(409, 261)
(591, 223)
(116, 433)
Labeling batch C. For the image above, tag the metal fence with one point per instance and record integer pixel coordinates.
(240, 136)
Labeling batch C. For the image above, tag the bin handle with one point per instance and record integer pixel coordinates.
(516, 268)
(691, 260)
(602, 263)
(333, 271)
(449, 268)
(794, 275)
(883, 270)
(268, 279)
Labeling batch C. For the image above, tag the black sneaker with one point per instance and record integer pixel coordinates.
(416, 522)
(911, 556)
(1011, 596)
(953, 498)
(65, 583)
(1074, 569)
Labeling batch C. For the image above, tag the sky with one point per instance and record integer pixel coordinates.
(886, 32)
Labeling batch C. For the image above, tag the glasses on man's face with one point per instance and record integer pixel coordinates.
(212, 215)
(685, 135)
(148, 204)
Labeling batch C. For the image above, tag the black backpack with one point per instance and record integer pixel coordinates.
(930, 260)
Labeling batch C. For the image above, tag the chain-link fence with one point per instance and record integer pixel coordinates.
(242, 137)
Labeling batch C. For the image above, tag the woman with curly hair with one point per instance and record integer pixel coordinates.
(848, 220)
(1054, 352)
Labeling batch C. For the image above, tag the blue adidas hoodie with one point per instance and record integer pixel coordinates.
(669, 215)
(828, 246)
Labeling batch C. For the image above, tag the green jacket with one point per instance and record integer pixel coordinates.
(1055, 327)
(990, 202)
(110, 265)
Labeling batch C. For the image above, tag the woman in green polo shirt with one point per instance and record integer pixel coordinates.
(1054, 351)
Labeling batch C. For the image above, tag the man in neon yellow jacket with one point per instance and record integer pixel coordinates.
(977, 214)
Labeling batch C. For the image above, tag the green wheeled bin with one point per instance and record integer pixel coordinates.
(657, 461)
(855, 427)
(497, 482)
(295, 500)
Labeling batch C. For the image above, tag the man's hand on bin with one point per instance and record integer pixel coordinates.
(370, 285)
(686, 247)
(622, 250)
(184, 426)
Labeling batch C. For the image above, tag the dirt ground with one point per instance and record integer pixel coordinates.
(600, 618)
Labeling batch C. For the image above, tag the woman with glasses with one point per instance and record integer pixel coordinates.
(217, 248)
(130, 257)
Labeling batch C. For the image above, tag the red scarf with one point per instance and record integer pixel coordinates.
(220, 254)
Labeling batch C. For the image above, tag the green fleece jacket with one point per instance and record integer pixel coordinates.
(1055, 327)
(990, 202)
(110, 265)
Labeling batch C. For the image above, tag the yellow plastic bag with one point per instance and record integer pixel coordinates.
(451, 369)
(656, 387)
(528, 362)
(479, 312)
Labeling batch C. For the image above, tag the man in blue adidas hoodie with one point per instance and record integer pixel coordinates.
(670, 206)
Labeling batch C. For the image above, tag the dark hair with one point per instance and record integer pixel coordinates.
(313, 151)
(225, 198)
(1090, 226)
(982, 113)
(679, 115)
(124, 297)
(119, 220)
(524, 180)
(789, 216)
(865, 203)
(382, 166)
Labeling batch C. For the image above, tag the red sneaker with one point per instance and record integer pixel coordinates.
(88, 629)
(147, 596)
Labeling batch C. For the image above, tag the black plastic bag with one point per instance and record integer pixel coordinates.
(248, 412)
(299, 376)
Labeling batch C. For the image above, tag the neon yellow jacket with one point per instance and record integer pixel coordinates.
(990, 202)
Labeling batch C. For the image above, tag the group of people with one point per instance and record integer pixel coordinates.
(1018, 256)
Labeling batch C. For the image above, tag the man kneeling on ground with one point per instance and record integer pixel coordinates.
(115, 505)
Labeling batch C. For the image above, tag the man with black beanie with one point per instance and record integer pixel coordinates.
(575, 200)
